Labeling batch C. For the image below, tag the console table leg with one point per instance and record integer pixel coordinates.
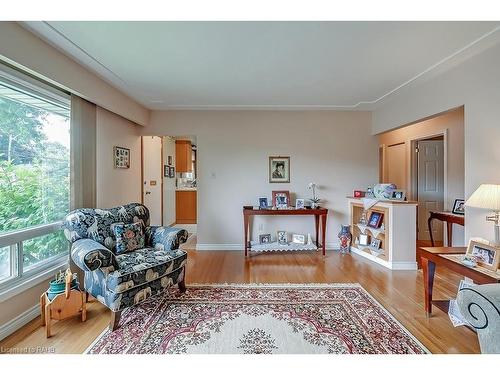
(449, 233)
(323, 233)
(428, 268)
(316, 221)
(245, 225)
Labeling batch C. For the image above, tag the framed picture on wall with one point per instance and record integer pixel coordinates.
(121, 157)
(279, 169)
(166, 171)
(169, 160)
(171, 172)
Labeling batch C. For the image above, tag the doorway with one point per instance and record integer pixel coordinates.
(152, 177)
(428, 174)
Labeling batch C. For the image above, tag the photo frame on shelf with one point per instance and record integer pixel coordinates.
(121, 157)
(264, 238)
(487, 256)
(364, 239)
(398, 195)
(299, 239)
(279, 169)
(281, 198)
(263, 204)
(282, 237)
(358, 194)
(375, 219)
(459, 207)
(375, 243)
(300, 203)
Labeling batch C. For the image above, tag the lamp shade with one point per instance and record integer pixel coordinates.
(486, 196)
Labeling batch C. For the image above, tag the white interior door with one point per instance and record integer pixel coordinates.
(152, 174)
(430, 186)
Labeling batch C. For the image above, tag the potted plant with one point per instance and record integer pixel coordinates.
(314, 200)
(58, 285)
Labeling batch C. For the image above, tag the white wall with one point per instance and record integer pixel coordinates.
(335, 149)
(25, 50)
(475, 83)
(117, 186)
(168, 183)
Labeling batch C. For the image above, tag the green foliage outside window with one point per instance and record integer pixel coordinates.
(34, 178)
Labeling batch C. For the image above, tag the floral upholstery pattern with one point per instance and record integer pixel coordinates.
(129, 237)
(165, 238)
(121, 280)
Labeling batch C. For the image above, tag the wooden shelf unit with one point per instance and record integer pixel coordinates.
(398, 236)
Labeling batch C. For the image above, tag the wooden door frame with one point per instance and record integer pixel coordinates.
(161, 171)
(411, 143)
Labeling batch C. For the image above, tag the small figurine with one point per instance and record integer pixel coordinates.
(345, 237)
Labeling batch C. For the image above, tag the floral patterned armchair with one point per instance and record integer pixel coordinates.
(126, 279)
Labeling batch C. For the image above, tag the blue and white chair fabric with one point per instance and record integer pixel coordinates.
(126, 279)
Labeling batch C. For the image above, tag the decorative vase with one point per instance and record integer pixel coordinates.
(345, 237)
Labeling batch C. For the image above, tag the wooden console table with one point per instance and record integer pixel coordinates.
(449, 257)
(318, 213)
(450, 218)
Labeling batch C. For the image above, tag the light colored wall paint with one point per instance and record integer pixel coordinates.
(475, 84)
(22, 48)
(168, 183)
(452, 123)
(333, 148)
(17, 305)
(117, 186)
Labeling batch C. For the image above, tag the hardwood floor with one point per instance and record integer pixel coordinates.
(400, 292)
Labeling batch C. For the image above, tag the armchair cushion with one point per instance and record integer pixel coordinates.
(129, 237)
(142, 267)
(165, 238)
(90, 255)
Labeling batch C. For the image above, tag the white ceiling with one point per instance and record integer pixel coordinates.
(349, 65)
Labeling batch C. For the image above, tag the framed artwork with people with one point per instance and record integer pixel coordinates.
(459, 207)
(279, 169)
(486, 255)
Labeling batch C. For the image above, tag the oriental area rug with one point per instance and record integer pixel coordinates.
(259, 319)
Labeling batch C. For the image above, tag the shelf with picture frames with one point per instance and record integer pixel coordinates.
(275, 246)
(397, 233)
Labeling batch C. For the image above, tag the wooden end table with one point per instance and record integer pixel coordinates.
(450, 218)
(449, 257)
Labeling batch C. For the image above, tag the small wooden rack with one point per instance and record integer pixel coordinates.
(65, 305)
(320, 214)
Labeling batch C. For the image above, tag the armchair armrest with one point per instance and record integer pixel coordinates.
(165, 238)
(480, 306)
(90, 255)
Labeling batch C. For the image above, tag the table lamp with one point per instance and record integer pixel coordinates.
(488, 196)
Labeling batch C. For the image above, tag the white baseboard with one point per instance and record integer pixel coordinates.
(18, 322)
(241, 247)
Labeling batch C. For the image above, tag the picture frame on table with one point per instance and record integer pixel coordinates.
(358, 194)
(375, 219)
(398, 195)
(263, 204)
(121, 157)
(459, 207)
(282, 237)
(279, 169)
(487, 256)
(264, 238)
(299, 239)
(281, 198)
(300, 204)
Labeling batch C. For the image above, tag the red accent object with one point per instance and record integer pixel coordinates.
(359, 194)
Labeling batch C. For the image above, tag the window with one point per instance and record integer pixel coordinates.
(34, 175)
